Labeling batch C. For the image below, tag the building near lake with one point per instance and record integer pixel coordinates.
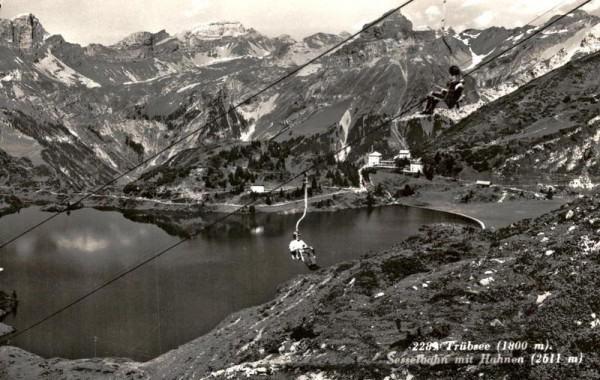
(415, 166)
(404, 153)
(257, 188)
(373, 159)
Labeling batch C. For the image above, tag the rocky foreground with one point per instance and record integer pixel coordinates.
(435, 306)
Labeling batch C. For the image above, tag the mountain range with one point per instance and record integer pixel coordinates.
(73, 117)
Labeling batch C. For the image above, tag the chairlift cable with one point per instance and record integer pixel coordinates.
(536, 31)
(211, 121)
(349, 144)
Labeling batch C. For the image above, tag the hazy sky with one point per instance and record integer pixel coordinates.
(108, 21)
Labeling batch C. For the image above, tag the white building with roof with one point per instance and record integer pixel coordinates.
(416, 166)
(257, 188)
(373, 159)
(404, 153)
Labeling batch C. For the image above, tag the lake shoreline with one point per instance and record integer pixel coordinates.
(256, 341)
(369, 224)
(487, 213)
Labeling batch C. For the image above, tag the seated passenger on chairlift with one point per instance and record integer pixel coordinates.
(298, 245)
(452, 95)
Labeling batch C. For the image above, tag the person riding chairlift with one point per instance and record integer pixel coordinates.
(452, 95)
(297, 246)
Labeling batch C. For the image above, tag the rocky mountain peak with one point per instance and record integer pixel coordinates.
(574, 19)
(215, 30)
(24, 33)
(142, 39)
(395, 26)
(285, 39)
(319, 40)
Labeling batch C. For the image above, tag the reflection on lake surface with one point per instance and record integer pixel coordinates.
(183, 294)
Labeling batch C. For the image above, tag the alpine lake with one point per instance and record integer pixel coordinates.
(184, 293)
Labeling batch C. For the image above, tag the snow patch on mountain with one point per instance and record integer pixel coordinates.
(67, 124)
(247, 135)
(309, 69)
(155, 78)
(185, 88)
(477, 59)
(11, 76)
(55, 69)
(254, 113)
(130, 75)
(345, 124)
(18, 91)
(205, 59)
(58, 139)
(549, 32)
(103, 156)
(515, 38)
(164, 69)
(591, 42)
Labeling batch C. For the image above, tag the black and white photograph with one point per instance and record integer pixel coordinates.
(300, 190)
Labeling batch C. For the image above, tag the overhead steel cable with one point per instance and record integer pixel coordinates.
(302, 173)
(536, 32)
(213, 120)
(528, 23)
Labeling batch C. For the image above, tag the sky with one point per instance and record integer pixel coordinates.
(108, 21)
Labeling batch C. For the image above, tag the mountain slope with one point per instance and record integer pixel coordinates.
(550, 126)
(358, 86)
(127, 101)
(535, 281)
(449, 284)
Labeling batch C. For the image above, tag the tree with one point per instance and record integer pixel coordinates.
(339, 179)
(314, 184)
(402, 162)
(370, 199)
(330, 159)
(239, 172)
(280, 164)
(268, 201)
(428, 171)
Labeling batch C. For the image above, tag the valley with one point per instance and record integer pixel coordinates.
(166, 135)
